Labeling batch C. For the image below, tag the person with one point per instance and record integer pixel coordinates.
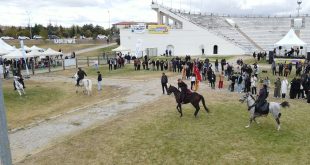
(221, 81)
(99, 81)
(213, 80)
(183, 87)
(164, 81)
(277, 88)
(20, 80)
(81, 75)
(193, 80)
(253, 84)
(284, 86)
(261, 100)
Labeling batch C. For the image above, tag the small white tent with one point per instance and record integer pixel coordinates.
(36, 48)
(6, 46)
(26, 48)
(291, 39)
(34, 53)
(51, 52)
(14, 54)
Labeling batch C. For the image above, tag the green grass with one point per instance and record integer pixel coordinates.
(99, 52)
(154, 134)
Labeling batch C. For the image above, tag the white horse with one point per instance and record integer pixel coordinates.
(19, 87)
(86, 84)
(274, 109)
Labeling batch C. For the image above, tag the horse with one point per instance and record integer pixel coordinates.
(274, 109)
(19, 87)
(86, 84)
(194, 98)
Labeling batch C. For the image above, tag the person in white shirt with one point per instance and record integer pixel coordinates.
(253, 85)
(193, 80)
(284, 87)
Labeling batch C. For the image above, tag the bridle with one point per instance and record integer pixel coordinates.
(247, 100)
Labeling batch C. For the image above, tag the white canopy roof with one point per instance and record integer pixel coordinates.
(6, 46)
(3, 51)
(36, 48)
(121, 49)
(291, 39)
(16, 54)
(51, 52)
(26, 48)
(34, 53)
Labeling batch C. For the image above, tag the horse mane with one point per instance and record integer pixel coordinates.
(252, 97)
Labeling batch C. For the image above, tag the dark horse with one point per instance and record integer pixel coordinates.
(193, 98)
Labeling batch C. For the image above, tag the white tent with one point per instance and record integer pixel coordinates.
(36, 48)
(3, 51)
(291, 40)
(15, 54)
(121, 49)
(34, 53)
(26, 48)
(51, 52)
(6, 46)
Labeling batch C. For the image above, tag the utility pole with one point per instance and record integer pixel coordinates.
(5, 152)
(28, 13)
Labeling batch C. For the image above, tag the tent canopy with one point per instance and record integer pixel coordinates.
(290, 39)
(36, 48)
(51, 52)
(16, 54)
(5, 46)
(26, 48)
(121, 49)
(34, 53)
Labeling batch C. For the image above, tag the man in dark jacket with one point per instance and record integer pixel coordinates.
(184, 89)
(261, 100)
(81, 75)
(164, 81)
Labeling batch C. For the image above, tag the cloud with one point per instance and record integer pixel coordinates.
(79, 12)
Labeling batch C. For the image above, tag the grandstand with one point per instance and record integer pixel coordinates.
(231, 35)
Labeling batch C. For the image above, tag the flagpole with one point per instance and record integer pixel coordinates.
(5, 152)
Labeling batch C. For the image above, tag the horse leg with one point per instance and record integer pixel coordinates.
(19, 92)
(251, 119)
(278, 122)
(197, 109)
(255, 120)
(180, 109)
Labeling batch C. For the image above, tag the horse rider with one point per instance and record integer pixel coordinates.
(81, 75)
(261, 100)
(184, 89)
(20, 80)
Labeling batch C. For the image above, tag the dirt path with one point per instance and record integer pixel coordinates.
(25, 142)
(35, 138)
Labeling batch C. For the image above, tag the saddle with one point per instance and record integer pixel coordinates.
(263, 109)
(188, 92)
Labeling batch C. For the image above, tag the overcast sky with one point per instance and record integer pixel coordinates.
(68, 12)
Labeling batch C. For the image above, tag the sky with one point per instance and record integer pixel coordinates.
(107, 12)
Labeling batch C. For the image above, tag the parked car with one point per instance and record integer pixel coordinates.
(37, 37)
(102, 37)
(23, 38)
(7, 38)
(51, 37)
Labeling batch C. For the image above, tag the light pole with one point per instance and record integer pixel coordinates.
(5, 152)
(298, 8)
(28, 13)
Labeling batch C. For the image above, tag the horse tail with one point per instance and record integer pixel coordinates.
(204, 103)
(285, 104)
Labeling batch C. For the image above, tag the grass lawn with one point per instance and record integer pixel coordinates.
(98, 52)
(128, 72)
(46, 99)
(154, 134)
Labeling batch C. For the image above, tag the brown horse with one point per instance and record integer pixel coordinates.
(193, 98)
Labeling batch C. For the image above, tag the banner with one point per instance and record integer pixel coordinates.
(138, 28)
(158, 29)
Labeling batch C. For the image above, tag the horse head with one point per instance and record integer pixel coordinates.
(244, 97)
(169, 90)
